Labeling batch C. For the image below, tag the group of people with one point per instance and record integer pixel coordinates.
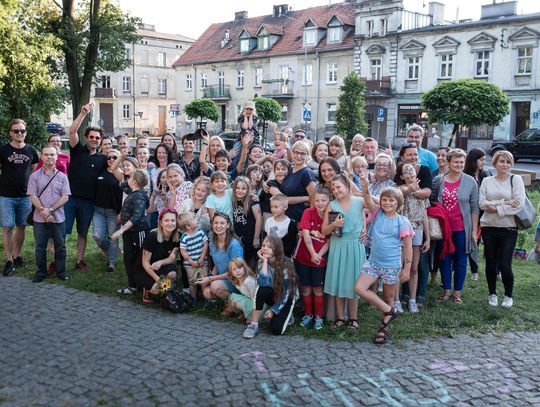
(259, 230)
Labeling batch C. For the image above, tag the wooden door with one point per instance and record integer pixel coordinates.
(106, 114)
(162, 127)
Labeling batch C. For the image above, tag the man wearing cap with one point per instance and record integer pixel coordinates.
(299, 135)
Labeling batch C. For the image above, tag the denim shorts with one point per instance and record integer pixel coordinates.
(14, 211)
(82, 210)
(418, 237)
(387, 275)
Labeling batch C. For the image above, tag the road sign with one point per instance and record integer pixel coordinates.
(380, 114)
(306, 115)
(100, 122)
(175, 108)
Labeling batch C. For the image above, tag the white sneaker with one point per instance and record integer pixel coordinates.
(474, 276)
(398, 307)
(507, 302)
(493, 300)
(413, 308)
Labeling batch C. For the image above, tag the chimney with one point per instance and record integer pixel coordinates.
(240, 15)
(436, 10)
(280, 9)
(498, 10)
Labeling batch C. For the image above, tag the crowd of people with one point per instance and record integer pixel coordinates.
(260, 231)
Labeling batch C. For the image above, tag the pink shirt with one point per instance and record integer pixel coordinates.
(62, 163)
(451, 205)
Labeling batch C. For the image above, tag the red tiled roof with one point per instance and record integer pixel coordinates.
(207, 49)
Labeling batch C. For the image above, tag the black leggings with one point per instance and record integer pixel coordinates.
(278, 323)
(133, 255)
(499, 244)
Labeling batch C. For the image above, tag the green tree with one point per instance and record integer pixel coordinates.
(466, 102)
(268, 110)
(93, 35)
(350, 109)
(199, 109)
(27, 89)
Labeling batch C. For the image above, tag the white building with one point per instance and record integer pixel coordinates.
(403, 54)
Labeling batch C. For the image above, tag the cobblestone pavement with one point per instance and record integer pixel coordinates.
(64, 347)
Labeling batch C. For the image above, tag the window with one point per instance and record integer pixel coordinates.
(263, 42)
(162, 86)
(162, 59)
(332, 73)
(244, 45)
(284, 72)
(413, 67)
(126, 84)
(105, 81)
(375, 69)
(258, 77)
(331, 113)
(524, 61)
(307, 74)
(384, 25)
(284, 113)
(189, 81)
(144, 84)
(240, 78)
(126, 111)
(127, 54)
(482, 64)
(204, 80)
(446, 66)
(310, 37)
(334, 35)
(370, 27)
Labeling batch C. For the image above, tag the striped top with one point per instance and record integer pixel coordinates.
(193, 244)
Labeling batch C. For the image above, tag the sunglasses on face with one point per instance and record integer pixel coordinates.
(299, 136)
(112, 157)
(94, 138)
(19, 131)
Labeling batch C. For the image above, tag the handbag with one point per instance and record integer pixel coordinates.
(30, 218)
(526, 216)
(435, 229)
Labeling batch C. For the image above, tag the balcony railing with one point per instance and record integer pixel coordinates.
(105, 92)
(217, 92)
(278, 88)
(378, 88)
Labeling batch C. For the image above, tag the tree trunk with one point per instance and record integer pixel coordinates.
(455, 134)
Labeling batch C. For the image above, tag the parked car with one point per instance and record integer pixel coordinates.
(524, 145)
(55, 128)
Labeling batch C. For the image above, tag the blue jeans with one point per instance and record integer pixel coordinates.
(105, 225)
(42, 233)
(14, 211)
(423, 276)
(456, 262)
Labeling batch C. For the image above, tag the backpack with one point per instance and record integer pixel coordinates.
(176, 301)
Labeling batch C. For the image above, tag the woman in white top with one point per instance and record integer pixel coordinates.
(501, 197)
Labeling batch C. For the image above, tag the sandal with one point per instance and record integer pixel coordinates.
(382, 336)
(339, 323)
(145, 298)
(456, 299)
(392, 314)
(353, 324)
(443, 297)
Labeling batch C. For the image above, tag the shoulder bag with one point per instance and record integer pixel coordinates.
(526, 216)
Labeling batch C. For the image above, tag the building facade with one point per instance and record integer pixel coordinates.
(403, 54)
(141, 98)
(299, 58)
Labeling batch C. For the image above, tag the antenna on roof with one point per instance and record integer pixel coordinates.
(226, 39)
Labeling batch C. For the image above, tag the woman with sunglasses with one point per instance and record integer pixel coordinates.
(107, 206)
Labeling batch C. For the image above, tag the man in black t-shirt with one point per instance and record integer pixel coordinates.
(85, 166)
(17, 161)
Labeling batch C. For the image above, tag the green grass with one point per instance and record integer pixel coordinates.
(437, 319)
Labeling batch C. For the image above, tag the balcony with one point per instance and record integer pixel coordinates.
(217, 92)
(278, 88)
(378, 88)
(105, 93)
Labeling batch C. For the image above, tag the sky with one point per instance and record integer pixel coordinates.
(192, 17)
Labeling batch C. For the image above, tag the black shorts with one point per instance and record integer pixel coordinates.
(309, 276)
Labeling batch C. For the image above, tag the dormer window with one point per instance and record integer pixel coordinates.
(263, 42)
(334, 35)
(244, 45)
(310, 37)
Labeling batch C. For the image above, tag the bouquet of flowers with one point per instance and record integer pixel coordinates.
(163, 285)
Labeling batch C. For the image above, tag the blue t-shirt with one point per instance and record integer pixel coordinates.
(295, 184)
(427, 158)
(222, 258)
(386, 235)
(221, 204)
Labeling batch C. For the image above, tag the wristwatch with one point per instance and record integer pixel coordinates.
(51, 210)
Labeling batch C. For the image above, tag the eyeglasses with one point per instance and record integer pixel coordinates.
(299, 136)
(112, 157)
(382, 165)
(94, 138)
(19, 131)
(300, 153)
